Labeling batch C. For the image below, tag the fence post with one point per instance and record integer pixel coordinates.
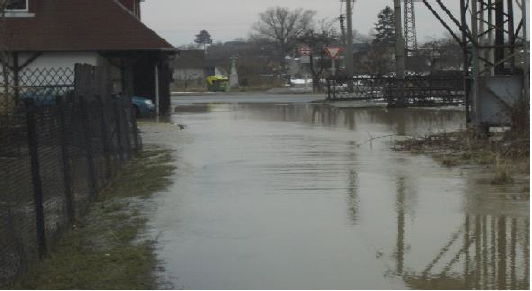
(105, 137)
(16, 76)
(126, 124)
(118, 128)
(87, 140)
(328, 89)
(335, 83)
(390, 92)
(432, 98)
(67, 178)
(33, 147)
(373, 94)
(134, 126)
(138, 143)
(102, 92)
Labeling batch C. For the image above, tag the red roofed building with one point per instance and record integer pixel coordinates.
(61, 33)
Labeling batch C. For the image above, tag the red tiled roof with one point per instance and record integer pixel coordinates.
(81, 25)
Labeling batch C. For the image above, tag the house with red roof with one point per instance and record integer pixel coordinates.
(62, 33)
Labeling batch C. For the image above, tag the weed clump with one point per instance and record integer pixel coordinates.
(502, 177)
(450, 161)
(507, 152)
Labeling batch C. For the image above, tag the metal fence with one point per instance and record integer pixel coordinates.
(57, 150)
(413, 90)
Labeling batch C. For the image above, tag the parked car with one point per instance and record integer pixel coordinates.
(143, 106)
(42, 96)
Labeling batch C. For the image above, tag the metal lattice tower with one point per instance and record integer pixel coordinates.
(410, 34)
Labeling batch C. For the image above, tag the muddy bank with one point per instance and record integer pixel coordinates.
(508, 155)
(108, 249)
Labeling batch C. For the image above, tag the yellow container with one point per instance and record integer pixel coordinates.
(217, 83)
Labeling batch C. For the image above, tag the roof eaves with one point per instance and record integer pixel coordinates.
(171, 47)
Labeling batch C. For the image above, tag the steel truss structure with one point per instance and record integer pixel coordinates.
(491, 42)
(410, 26)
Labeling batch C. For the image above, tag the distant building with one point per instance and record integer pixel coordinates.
(190, 69)
(217, 66)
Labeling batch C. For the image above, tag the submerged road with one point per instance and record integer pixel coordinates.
(272, 192)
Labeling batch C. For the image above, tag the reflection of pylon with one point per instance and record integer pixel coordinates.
(410, 27)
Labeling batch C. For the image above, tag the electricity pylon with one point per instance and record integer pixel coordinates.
(410, 34)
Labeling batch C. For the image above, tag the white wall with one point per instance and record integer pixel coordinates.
(63, 63)
(220, 72)
(188, 74)
(61, 59)
(184, 78)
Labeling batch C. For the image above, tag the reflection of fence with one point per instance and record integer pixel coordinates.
(414, 90)
(57, 150)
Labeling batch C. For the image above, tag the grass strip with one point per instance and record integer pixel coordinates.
(105, 249)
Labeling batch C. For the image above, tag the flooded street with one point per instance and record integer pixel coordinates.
(284, 194)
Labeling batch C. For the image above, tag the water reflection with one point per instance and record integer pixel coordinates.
(353, 199)
(487, 252)
(283, 196)
(400, 208)
(401, 121)
(489, 249)
(193, 108)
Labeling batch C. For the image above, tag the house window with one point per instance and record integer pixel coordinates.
(17, 5)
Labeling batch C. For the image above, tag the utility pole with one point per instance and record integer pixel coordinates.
(499, 37)
(524, 10)
(511, 34)
(399, 42)
(481, 33)
(342, 28)
(349, 40)
(490, 52)
(399, 52)
(465, 51)
(475, 70)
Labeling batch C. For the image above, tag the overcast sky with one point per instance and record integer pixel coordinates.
(179, 20)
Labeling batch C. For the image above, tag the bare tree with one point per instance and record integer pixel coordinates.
(359, 37)
(378, 61)
(317, 39)
(442, 54)
(190, 46)
(283, 27)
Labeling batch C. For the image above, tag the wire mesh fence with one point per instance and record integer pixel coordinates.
(58, 148)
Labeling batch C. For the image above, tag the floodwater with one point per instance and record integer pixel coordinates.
(290, 195)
